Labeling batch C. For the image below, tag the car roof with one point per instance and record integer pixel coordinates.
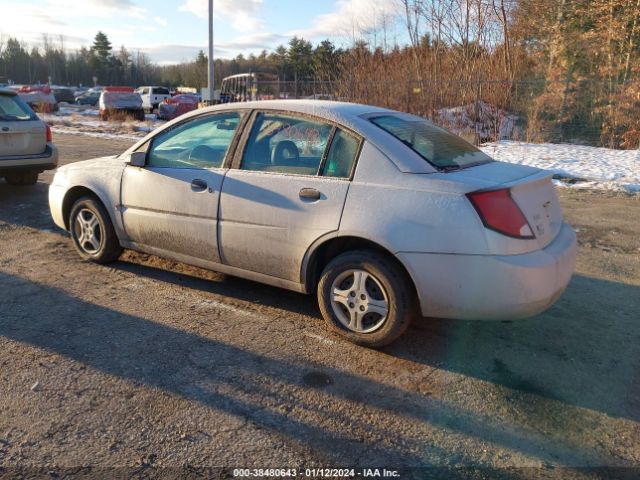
(8, 91)
(331, 110)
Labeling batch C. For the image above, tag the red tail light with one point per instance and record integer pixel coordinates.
(49, 134)
(499, 212)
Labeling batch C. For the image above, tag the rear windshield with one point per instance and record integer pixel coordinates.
(440, 148)
(13, 109)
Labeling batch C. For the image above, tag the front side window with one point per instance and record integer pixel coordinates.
(441, 148)
(13, 109)
(199, 143)
(286, 144)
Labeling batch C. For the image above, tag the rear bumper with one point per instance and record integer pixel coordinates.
(44, 161)
(492, 287)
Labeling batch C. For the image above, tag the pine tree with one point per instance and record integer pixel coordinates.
(102, 46)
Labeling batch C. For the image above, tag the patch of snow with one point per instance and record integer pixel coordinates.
(575, 166)
(483, 120)
(81, 120)
(116, 136)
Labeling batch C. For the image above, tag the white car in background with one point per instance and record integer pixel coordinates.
(26, 144)
(152, 97)
(384, 215)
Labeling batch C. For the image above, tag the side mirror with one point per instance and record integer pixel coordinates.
(137, 159)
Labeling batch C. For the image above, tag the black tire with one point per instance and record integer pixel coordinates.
(22, 178)
(396, 289)
(107, 247)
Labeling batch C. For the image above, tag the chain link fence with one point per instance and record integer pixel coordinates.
(584, 112)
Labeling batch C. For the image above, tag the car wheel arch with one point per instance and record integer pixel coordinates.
(332, 245)
(73, 194)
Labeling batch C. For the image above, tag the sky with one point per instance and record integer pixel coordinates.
(172, 31)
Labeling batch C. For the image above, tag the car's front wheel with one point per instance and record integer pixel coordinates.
(22, 178)
(366, 298)
(92, 232)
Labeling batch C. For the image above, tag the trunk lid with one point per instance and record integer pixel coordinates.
(531, 189)
(538, 201)
(22, 138)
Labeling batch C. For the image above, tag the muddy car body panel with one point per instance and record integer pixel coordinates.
(271, 219)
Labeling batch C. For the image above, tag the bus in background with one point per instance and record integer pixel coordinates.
(246, 87)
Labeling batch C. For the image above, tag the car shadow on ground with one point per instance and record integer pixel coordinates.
(263, 389)
(27, 206)
(584, 351)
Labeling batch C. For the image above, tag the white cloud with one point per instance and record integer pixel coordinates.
(161, 21)
(243, 22)
(170, 54)
(242, 13)
(64, 19)
(94, 8)
(225, 7)
(353, 19)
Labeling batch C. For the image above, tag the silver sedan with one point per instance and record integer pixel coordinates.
(382, 214)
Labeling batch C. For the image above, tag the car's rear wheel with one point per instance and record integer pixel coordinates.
(92, 232)
(366, 298)
(22, 178)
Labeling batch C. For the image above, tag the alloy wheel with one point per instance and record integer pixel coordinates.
(359, 301)
(88, 231)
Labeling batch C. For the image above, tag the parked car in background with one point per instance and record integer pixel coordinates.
(39, 97)
(178, 105)
(382, 214)
(26, 146)
(152, 97)
(64, 94)
(88, 98)
(79, 91)
(120, 101)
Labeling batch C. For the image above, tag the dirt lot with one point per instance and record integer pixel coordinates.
(153, 365)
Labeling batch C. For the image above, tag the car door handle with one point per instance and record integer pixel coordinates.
(310, 194)
(198, 185)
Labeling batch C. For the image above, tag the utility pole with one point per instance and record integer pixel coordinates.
(211, 64)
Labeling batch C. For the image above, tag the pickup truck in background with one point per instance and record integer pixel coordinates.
(152, 97)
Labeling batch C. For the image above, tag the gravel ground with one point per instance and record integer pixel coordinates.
(146, 366)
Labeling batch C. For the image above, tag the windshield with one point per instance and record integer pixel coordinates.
(441, 148)
(12, 108)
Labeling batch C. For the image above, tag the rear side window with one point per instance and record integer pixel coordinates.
(286, 144)
(13, 109)
(342, 155)
(160, 91)
(442, 149)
